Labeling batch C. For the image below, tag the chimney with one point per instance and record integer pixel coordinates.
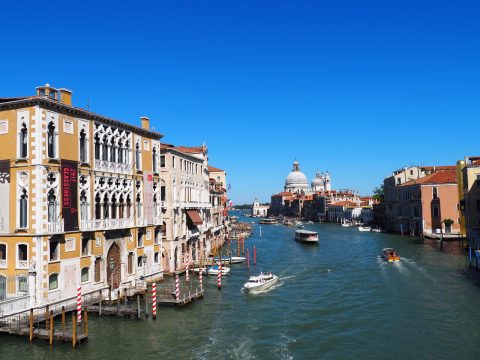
(145, 122)
(65, 96)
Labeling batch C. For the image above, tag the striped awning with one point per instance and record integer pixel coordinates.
(195, 217)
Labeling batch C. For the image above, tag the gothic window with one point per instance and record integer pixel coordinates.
(120, 153)
(139, 206)
(121, 208)
(23, 209)
(23, 141)
(83, 146)
(126, 152)
(114, 207)
(98, 207)
(105, 149)
(105, 207)
(138, 164)
(52, 206)
(154, 159)
(97, 147)
(113, 150)
(129, 207)
(51, 141)
(83, 206)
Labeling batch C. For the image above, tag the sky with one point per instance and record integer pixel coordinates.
(358, 88)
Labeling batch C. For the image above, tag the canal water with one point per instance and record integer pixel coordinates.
(334, 300)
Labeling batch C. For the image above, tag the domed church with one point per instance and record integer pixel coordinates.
(321, 182)
(296, 182)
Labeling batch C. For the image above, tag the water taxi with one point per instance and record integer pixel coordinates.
(260, 283)
(268, 221)
(390, 255)
(306, 236)
(229, 259)
(212, 270)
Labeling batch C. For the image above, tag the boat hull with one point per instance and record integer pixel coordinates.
(261, 287)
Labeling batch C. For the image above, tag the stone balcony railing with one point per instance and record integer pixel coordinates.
(113, 167)
(192, 233)
(3, 264)
(55, 227)
(105, 224)
(141, 221)
(22, 264)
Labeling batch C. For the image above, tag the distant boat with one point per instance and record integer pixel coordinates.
(306, 236)
(390, 255)
(212, 270)
(364, 228)
(377, 230)
(268, 221)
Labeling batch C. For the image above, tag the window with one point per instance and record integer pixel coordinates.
(53, 282)
(3, 255)
(138, 164)
(155, 258)
(162, 193)
(154, 159)
(83, 206)
(54, 250)
(84, 276)
(85, 246)
(98, 207)
(22, 282)
(105, 148)
(435, 211)
(411, 172)
(23, 209)
(173, 162)
(51, 146)
(97, 147)
(83, 146)
(98, 263)
(162, 161)
(113, 151)
(130, 263)
(52, 206)
(23, 141)
(140, 239)
(435, 193)
(140, 261)
(139, 206)
(22, 253)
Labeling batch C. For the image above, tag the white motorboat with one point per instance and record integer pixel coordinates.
(364, 228)
(260, 283)
(268, 221)
(237, 259)
(306, 236)
(212, 270)
(377, 230)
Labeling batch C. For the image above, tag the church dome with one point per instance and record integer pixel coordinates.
(296, 178)
(317, 181)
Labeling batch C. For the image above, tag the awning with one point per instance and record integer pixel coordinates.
(195, 217)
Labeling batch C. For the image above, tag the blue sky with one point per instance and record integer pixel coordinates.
(359, 88)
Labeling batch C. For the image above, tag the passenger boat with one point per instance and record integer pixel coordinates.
(306, 236)
(212, 270)
(390, 255)
(260, 283)
(268, 221)
(364, 228)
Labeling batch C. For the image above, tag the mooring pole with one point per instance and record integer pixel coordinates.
(74, 329)
(85, 316)
(118, 303)
(63, 319)
(138, 307)
(51, 327)
(146, 302)
(31, 325)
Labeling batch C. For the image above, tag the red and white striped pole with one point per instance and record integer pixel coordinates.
(177, 288)
(154, 301)
(186, 271)
(79, 304)
(201, 279)
(254, 255)
(219, 278)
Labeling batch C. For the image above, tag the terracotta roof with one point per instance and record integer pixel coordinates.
(438, 177)
(442, 167)
(214, 169)
(190, 149)
(344, 203)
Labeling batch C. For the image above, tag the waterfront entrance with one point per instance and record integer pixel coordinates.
(113, 264)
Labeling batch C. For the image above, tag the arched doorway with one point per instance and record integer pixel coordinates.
(113, 263)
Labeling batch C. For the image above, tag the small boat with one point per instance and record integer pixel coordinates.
(306, 236)
(390, 255)
(212, 270)
(346, 223)
(237, 259)
(268, 221)
(310, 222)
(377, 230)
(364, 228)
(260, 282)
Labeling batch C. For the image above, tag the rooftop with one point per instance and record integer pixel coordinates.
(438, 177)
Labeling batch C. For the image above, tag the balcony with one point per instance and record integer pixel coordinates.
(3, 264)
(141, 221)
(193, 233)
(55, 227)
(113, 167)
(106, 224)
(22, 264)
(194, 204)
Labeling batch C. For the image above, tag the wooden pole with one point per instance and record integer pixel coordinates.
(63, 319)
(146, 302)
(110, 293)
(46, 317)
(118, 304)
(31, 325)
(138, 307)
(74, 329)
(100, 305)
(85, 316)
(51, 327)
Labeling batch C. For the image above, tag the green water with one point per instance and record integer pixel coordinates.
(336, 300)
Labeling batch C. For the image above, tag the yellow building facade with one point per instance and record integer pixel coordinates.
(80, 200)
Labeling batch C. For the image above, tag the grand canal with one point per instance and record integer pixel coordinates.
(337, 300)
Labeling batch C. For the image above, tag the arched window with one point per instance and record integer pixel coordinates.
(121, 208)
(53, 282)
(84, 276)
(139, 206)
(23, 209)
(138, 164)
(83, 146)
(98, 207)
(113, 150)
(52, 206)
(51, 140)
(129, 207)
(83, 206)
(127, 152)
(120, 152)
(114, 207)
(97, 147)
(435, 193)
(155, 258)
(154, 159)
(23, 141)
(105, 207)
(105, 149)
